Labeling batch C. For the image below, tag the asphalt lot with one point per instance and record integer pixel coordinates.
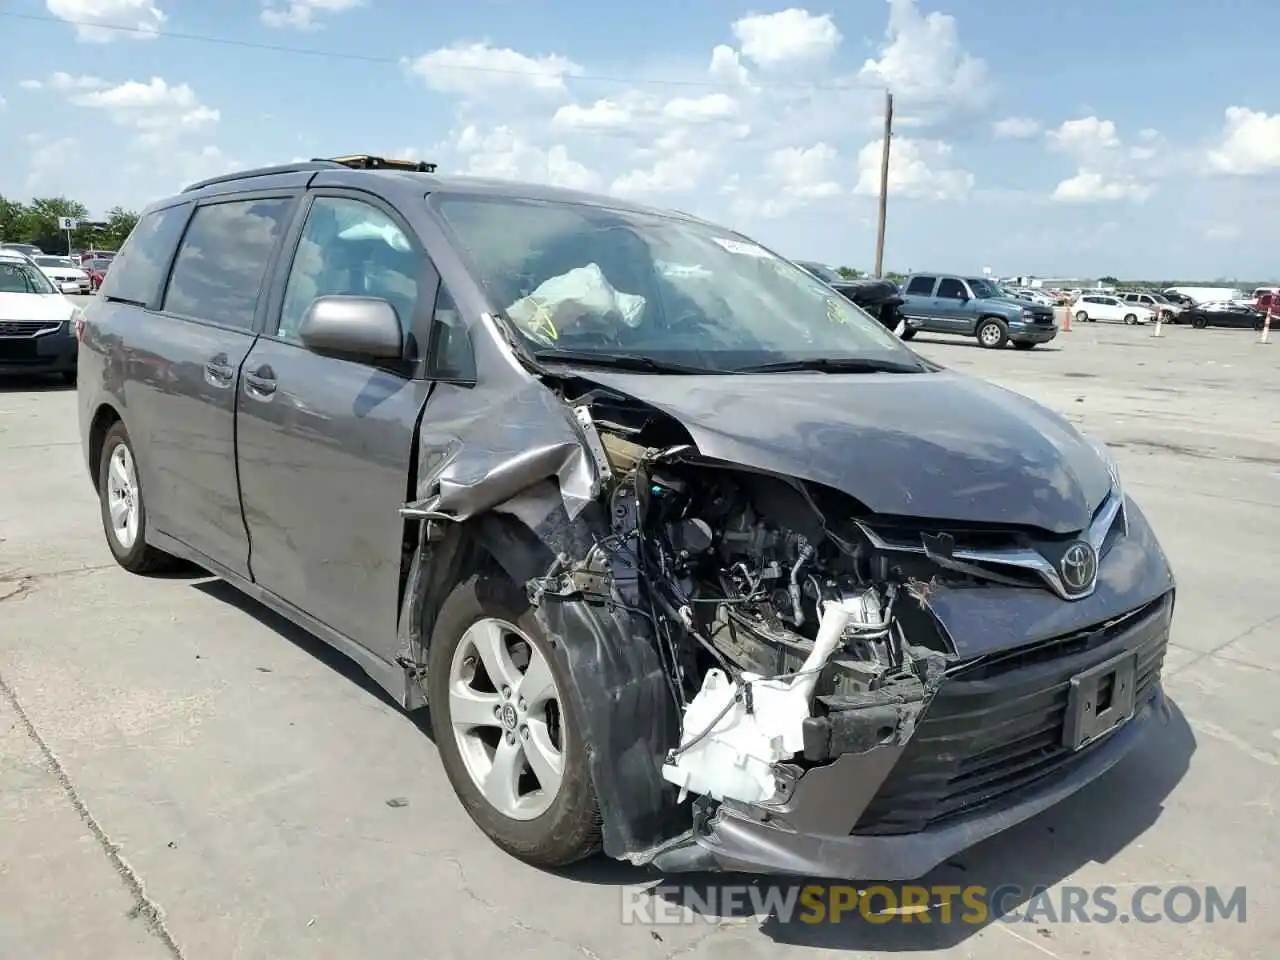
(182, 774)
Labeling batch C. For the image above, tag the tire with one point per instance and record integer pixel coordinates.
(554, 834)
(908, 334)
(1130, 319)
(134, 554)
(1082, 317)
(1022, 345)
(992, 333)
(1200, 323)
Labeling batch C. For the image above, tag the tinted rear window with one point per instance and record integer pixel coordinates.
(920, 286)
(222, 260)
(138, 270)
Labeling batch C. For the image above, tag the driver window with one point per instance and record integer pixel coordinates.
(350, 248)
(951, 289)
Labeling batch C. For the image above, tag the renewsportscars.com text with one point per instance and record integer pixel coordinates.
(974, 905)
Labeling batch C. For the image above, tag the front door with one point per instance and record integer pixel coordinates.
(952, 308)
(326, 445)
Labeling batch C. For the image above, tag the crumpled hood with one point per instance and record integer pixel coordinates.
(936, 445)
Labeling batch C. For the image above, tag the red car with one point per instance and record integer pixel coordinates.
(88, 255)
(97, 271)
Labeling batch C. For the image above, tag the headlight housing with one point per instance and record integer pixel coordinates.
(1028, 313)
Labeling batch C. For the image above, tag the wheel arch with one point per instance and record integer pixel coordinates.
(104, 418)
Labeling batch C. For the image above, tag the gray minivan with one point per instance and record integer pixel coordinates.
(693, 560)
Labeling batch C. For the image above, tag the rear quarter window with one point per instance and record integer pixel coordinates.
(137, 271)
(920, 286)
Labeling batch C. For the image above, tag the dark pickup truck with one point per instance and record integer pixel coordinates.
(974, 307)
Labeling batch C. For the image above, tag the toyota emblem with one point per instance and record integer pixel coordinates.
(1078, 567)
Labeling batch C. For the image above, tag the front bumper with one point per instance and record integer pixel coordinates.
(990, 750)
(1032, 332)
(47, 353)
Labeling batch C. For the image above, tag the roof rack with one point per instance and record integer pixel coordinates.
(360, 161)
(363, 161)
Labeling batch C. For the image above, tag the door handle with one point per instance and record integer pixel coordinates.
(260, 384)
(219, 372)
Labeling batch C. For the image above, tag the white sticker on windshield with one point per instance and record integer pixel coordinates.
(744, 249)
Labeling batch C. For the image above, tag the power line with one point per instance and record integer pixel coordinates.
(393, 61)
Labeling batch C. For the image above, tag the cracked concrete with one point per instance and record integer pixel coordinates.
(190, 765)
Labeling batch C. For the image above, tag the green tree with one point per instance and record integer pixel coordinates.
(849, 273)
(120, 223)
(1109, 281)
(37, 222)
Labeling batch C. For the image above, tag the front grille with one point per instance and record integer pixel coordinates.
(997, 728)
(24, 328)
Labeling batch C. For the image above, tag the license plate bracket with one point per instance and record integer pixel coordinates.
(1099, 700)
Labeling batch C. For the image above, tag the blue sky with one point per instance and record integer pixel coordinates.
(1123, 137)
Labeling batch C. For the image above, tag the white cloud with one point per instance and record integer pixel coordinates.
(1090, 186)
(601, 115)
(476, 69)
(923, 63)
(301, 14)
(789, 36)
(31, 85)
(726, 66)
(65, 81)
(1250, 143)
(93, 19)
(712, 107)
(918, 169)
(505, 154)
(1087, 139)
(1223, 231)
(1016, 128)
(671, 173)
(156, 110)
(48, 160)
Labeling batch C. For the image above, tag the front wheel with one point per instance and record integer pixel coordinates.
(992, 334)
(508, 734)
(1200, 322)
(124, 512)
(1130, 319)
(1082, 317)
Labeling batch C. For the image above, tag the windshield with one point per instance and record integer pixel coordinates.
(587, 280)
(986, 289)
(98, 264)
(22, 278)
(52, 262)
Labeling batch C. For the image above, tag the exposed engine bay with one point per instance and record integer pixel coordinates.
(786, 638)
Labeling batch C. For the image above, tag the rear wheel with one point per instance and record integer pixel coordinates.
(1130, 319)
(1081, 317)
(1200, 322)
(124, 512)
(507, 731)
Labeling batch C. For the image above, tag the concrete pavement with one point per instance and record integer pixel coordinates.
(182, 774)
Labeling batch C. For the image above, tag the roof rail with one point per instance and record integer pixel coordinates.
(262, 172)
(363, 161)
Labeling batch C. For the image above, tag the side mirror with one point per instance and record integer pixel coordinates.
(356, 328)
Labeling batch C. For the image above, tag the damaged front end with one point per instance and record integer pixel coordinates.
(772, 679)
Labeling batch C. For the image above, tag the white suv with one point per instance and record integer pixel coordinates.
(1103, 306)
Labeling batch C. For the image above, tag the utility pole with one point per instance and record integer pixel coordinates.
(884, 181)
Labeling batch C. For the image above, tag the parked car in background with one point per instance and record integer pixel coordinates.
(1092, 307)
(475, 435)
(973, 307)
(26, 249)
(1267, 301)
(65, 274)
(1224, 314)
(880, 298)
(97, 272)
(38, 325)
(1157, 303)
(88, 255)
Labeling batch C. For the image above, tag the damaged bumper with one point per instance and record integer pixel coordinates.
(737, 841)
(999, 742)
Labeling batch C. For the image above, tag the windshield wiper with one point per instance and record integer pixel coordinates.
(619, 361)
(835, 365)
